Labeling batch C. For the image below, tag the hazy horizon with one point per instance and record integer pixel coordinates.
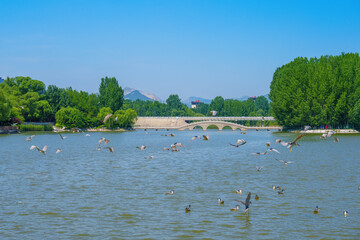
(190, 48)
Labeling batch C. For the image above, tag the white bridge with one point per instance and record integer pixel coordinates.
(183, 123)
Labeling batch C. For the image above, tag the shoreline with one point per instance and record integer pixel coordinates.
(322, 131)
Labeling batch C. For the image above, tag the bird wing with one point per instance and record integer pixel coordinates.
(205, 137)
(279, 160)
(33, 147)
(273, 149)
(298, 137)
(107, 117)
(247, 201)
(277, 140)
(44, 148)
(284, 143)
(62, 138)
(233, 145)
(192, 139)
(240, 201)
(57, 151)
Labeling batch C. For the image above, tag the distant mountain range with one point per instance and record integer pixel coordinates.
(133, 94)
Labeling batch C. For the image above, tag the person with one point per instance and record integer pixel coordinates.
(326, 127)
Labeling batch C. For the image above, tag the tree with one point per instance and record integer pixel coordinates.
(4, 108)
(70, 117)
(103, 113)
(217, 104)
(174, 102)
(110, 93)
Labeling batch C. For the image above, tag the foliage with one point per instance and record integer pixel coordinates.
(30, 127)
(125, 118)
(4, 108)
(70, 117)
(317, 91)
(174, 102)
(110, 93)
(102, 114)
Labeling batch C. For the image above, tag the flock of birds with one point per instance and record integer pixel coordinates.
(240, 142)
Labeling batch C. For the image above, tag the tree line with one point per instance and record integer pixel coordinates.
(318, 92)
(25, 99)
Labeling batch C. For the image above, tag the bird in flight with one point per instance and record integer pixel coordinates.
(111, 149)
(283, 161)
(107, 117)
(259, 153)
(259, 168)
(30, 138)
(106, 141)
(206, 138)
(61, 137)
(58, 150)
(142, 147)
(43, 151)
(273, 149)
(247, 202)
(239, 143)
(193, 138)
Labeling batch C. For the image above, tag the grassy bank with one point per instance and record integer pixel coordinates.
(29, 127)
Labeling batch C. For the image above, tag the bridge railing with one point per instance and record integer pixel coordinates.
(218, 118)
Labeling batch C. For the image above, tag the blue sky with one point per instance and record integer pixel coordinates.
(192, 48)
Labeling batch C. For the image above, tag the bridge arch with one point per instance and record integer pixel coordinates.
(219, 124)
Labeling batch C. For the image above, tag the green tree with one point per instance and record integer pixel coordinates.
(103, 113)
(70, 117)
(4, 108)
(110, 93)
(217, 104)
(174, 102)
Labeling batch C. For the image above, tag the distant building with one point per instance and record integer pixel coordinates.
(194, 104)
(254, 98)
(1, 80)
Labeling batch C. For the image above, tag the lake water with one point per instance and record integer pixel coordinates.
(83, 193)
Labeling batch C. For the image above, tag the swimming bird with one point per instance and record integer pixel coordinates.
(87, 135)
(106, 141)
(170, 193)
(111, 149)
(345, 212)
(283, 161)
(188, 208)
(29, 138)
(316, 210)
(282, 191)
(43, 151)
(247, 202)
(220, 201)
(238, 191)
(256, 197)
(239, 143)
(258, 168)
(107, 117)
(58, 150)
(206, 138)
(172, 135)
(276, 187)
(236, 208)
(142, 147)
(62, 137)
(193, 138)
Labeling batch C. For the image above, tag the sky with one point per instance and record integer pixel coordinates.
(190, 48)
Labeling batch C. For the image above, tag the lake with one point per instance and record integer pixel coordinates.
(82, 193)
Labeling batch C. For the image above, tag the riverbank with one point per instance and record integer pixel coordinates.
(322, 131)
(56, 129)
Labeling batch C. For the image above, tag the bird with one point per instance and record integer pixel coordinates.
(278, 141)
(247, 202)
(267, 144)
(151, 157)
(236, 208)
(174, 148)
(29, 138)
(238, 191)
(283, 161)
(273, 149)
(106, 141)
(206, 138)
(259, 153)
(345, 212)
(294, 142)
(276, 187)
(256, 197)
(259, 168)
(58, 150)
(87, 135)
(193, 138)
(107, 117)
(43, 151)
(61, 137)
(220, 201)
(188, 208)
(316, 210)
(336, 139)
(111, 149)
(323, 136)
(242, 132)
(142, 147)
(170, 193)
(282, 191)
(166, 149)
(239, 143)
(178, 144)
(306, 128)
(172, 135)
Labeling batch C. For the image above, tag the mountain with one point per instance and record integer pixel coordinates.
(133, 94)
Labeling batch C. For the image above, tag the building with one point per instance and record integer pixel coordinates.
(194, 104)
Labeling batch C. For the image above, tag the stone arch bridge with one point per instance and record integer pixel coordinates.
(187, 123)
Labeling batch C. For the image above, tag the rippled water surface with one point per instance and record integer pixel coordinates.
(83, 193)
